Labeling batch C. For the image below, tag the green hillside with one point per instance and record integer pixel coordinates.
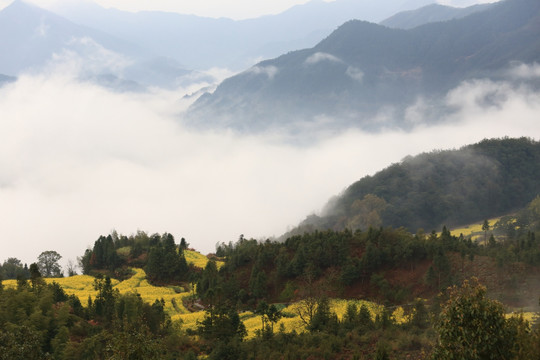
(374, 292)
(452, 187)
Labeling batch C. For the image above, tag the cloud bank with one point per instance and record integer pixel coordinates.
(321, 56)
(269, 71)
(78, 160)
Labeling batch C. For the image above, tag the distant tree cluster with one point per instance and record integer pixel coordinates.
(47, 265)
(162, 259)
(13, 268)
(166, 261)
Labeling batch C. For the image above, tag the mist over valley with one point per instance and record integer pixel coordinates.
(100, 134)
(294, 179)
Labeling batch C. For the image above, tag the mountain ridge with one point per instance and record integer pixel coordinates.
(200, 42)
(33, 38)
(33, 34)
(430, 13)
(362, 68)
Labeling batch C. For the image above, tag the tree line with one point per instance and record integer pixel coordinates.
(159, 255)
(47, 263)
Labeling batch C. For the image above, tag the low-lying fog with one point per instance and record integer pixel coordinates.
(78, 160)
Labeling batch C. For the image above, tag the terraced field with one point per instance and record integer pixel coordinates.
(82, 286)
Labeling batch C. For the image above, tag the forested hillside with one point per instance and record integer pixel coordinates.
(452, 187)
(287, 290)
(362, 292)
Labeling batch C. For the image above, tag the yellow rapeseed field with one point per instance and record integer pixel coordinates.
(171, 295)
(198, 259)
(531, 317)
(291, 322)
(82, 287)
(474, 231)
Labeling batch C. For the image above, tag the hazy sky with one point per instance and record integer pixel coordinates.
(236, 9)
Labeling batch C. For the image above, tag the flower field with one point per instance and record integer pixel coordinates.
(198, 259)
(474, 231)
(82, 286)
(172, 295)
(292, 321)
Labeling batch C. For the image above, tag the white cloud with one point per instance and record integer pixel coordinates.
(321, 56)
(77, 161)
(269, 71)
(525, 71)
(355, 73)
(84, 55)
(42, 29)
(477, 96)
(416, 113)
(219, 74)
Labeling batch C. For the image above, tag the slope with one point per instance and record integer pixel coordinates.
(31, 39)
(29, 36)
(429, 14)
(364, 68)
(454, 187)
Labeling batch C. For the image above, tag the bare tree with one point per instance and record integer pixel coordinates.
(71, 268)
(307, 307)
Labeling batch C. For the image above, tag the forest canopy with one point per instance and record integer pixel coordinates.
(452, 187)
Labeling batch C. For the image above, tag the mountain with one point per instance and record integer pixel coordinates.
(454, 187)
(429, 14)
(31, 38)
(363, 69)
(201, 43)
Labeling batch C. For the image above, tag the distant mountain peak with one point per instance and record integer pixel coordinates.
(397, 67)
(429, 14)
